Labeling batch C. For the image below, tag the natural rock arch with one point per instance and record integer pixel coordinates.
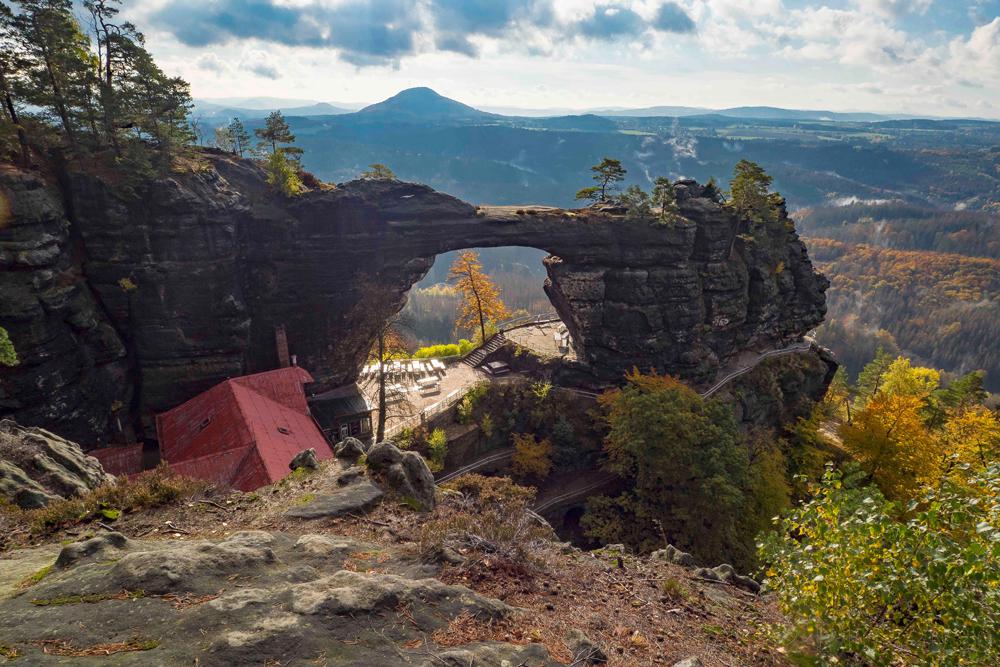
(220, 261)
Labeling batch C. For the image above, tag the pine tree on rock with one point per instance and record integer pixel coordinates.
(240, 138)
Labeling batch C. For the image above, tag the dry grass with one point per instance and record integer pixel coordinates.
(150, 489)
(60, 647)
(485, 516)
(466, 628)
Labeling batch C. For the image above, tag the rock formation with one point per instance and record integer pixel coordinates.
(186, 283)
(73, 377)
(38, 467)
(173, 603)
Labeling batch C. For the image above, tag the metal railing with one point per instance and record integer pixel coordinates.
(798, 347)
(427, 413)
(527, 321)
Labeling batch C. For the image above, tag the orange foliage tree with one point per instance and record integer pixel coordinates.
(481, 302)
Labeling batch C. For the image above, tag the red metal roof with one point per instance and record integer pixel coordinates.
(120, 460)
(244, 431)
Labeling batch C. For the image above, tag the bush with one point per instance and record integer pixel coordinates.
(153, 488)
(437, 448)
(434, 351)
(855, 582)
(532, 457)
(487, 515)
(282, 174)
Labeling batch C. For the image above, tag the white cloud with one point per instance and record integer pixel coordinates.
(260, 63)
(893, 7)
(978, 57)
(212, 63)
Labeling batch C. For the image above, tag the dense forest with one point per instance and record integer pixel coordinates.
(920, 281)
(906, 227)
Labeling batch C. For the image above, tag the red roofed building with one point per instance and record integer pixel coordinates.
(243, 432)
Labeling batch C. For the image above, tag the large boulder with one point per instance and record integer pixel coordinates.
(38, 467)
(727, 573)
(672, 554)
(305, 459)
(355, 498)
(405, 473)
(350, 449)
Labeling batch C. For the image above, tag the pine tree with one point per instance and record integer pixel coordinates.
(117, 44)
(12, 66)
(274, 132)
(749, 192)
(59, 67)
(608, 174)
(378, 171)
(241, 140)
(665, 199)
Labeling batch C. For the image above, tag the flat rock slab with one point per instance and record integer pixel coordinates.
(251, 598)
(18, 565)
(358, 497)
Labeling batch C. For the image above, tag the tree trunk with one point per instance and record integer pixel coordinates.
(380, 432)
(57, 95)
(22, 137)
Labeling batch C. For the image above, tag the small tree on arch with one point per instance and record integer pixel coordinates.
(608, 174)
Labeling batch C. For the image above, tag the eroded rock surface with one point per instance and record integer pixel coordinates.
(73, 377)
(38, 467)
(251, 598)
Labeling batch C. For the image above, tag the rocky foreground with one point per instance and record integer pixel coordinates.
(316, 571)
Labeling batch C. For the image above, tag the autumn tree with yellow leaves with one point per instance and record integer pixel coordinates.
(532, 457)
(481, 303)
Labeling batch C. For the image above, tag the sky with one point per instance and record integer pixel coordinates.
(923, 57)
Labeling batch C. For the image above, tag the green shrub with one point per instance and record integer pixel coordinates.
(471, 400)
(8, 356)
(858, 584)
(282, 175)
(435, 351)
(437, 448)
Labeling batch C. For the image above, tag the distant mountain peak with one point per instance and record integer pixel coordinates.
(424, 103)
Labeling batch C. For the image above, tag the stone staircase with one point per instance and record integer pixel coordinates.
(476, 357)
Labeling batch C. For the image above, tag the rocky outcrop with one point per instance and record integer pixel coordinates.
(38, 467)
(251, 598)
(73, 374)
(213, 262)
(781, 390)
(405, 473)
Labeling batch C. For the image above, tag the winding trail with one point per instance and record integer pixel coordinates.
(542, 505)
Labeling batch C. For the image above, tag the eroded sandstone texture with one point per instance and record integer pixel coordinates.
(218, 262)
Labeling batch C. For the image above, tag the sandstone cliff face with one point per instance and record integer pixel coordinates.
(73, 376)
(219, 262)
